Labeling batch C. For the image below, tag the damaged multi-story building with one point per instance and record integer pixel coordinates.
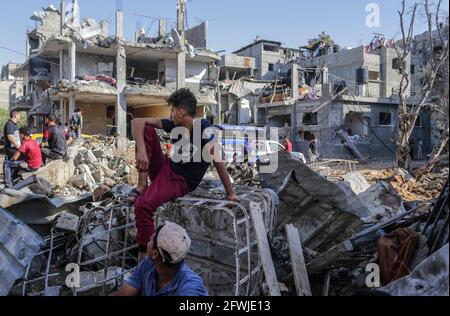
(346, 98)
(244, 75)
(76, 63)
(11, 87)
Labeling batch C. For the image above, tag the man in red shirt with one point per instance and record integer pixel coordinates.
(287, 145)
(30, 149)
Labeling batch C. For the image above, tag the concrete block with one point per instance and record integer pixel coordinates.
(98, 175)
(357, 182)
(123, 170)
(99, 153)
(57, 172)
(89, 158)
(67, 222)
(382, 201)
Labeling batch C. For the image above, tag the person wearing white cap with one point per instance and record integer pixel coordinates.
(164, 271)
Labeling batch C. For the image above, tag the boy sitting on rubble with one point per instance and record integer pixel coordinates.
(171, 179)
(164, 272)
(33, 158)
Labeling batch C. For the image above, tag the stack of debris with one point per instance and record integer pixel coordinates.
(407, 186)
(90, 164)
(83, 86)
(294, 232)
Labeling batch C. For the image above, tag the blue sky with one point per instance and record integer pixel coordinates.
(232, 23)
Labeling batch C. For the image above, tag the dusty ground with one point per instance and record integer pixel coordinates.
(406, 186)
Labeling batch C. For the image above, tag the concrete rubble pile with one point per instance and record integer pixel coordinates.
(90, 165)
(295, 232)
(82, 86)
(405, 239)
(98, 237)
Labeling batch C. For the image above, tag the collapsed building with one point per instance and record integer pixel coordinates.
(302, 230)
(75, 63)
(346, 97)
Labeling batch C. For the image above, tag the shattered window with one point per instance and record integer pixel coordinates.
(271, 67)
(374, 75)
(310, 119)
(385, 119)
(418, 122)
(270, 48)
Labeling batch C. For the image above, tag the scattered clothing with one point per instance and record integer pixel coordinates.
(185, 283)
(395, 252)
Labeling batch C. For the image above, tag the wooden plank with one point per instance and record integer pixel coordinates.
(326, 284)
(298, 261)
(265, 255)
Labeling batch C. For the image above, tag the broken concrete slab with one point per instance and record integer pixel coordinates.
(99, 153)
(357, 182)
(123, 170)
(18, 246)
(382, 201)
(90, 158)
(35, 209)
(430, 278)
(67, 222)
(41, 186)
(98, 175)
(324, 213)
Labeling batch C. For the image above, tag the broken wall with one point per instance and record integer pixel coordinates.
(88, 64)
(193, 69)
(94, 118)
(197, 36)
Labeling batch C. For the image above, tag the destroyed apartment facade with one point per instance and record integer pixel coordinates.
(346, 97)
(76, 63)
(11, 87)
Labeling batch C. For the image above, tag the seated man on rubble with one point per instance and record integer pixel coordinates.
(171, 179)
(30, 150)
(54, 142)
(164, 271)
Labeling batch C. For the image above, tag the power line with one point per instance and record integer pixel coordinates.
(20, 53)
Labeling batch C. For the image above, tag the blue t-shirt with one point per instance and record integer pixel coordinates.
(185, 283)
(193, 171)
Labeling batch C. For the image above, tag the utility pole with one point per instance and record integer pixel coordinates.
(121, 103)
(61, 59)
(181, 56)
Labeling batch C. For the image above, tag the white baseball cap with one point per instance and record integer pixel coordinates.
(174, 240)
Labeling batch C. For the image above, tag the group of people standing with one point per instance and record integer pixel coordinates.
(24, 154)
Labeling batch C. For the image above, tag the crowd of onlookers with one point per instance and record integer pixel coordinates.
(23, 153)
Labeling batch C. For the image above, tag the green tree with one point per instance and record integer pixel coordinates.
(322, 37)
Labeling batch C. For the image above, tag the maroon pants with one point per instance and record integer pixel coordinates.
(165, 186)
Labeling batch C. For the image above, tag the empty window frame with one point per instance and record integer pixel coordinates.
(385, 119)
(310, 119)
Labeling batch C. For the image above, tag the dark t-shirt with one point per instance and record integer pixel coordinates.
(194, 170)
(56, 138)
(11, 128)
